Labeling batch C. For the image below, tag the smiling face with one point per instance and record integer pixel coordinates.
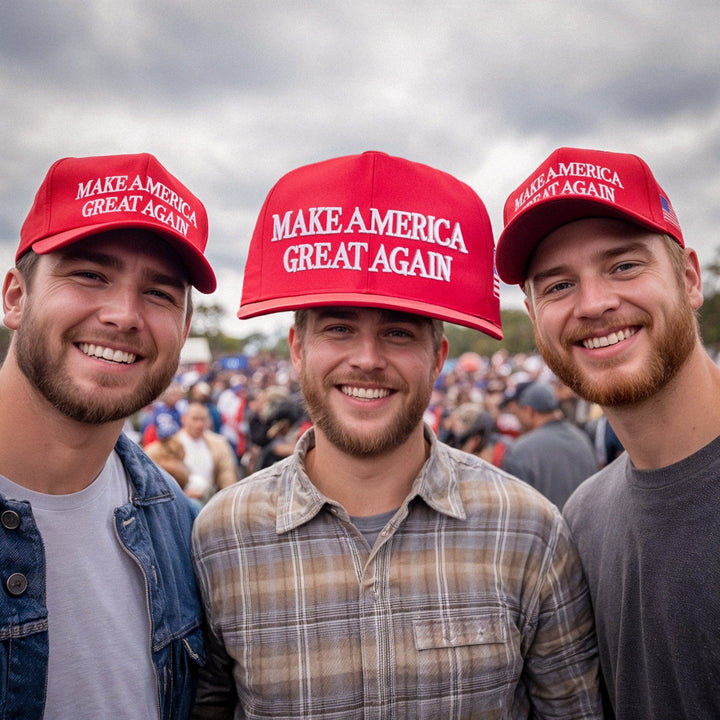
(614, 314)
(366, 375)
(100, 324)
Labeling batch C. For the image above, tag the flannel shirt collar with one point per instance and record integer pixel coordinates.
(436, 484)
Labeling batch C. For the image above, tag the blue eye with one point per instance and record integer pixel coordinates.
(557, 287)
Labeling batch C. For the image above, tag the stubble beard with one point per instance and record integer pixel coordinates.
(669, 353)
(34, 359)
(359, 445)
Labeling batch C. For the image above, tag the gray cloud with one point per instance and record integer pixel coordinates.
(231, 95)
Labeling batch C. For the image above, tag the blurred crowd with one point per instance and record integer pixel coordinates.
(211, 429)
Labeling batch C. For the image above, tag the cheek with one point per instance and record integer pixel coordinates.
(169, 330)
(548, 321)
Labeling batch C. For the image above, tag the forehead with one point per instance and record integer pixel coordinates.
(369, 314)
(197, 411)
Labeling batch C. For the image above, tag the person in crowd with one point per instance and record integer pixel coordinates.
(201, 392)
(604, 439)
(168, 452)
(552, 453)
(233, 404)
(99, 614)
(208, 455)
(472, 429)
(378, 572)
(286, 421)
(613, 294)
(162, 411)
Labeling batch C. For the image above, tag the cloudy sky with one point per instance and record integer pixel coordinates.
(231, 94)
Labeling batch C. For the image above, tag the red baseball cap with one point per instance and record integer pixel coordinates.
(80, 197)
(375, 231)
(573, 184)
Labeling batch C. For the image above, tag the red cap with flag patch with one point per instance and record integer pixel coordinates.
(80, 197)
(573, 184)
(375, 231)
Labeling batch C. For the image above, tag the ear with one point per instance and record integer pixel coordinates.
(187, 329)
(693, 280)
(295, 345)
(441, 357)
(14, 294)
(531, 310)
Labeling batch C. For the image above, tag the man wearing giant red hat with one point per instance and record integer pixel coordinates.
(378, 572)
(99, 610)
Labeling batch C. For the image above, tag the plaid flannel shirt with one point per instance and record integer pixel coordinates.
(471, 604)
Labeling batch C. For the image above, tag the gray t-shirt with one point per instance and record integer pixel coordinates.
(649, 541)
(99, 629)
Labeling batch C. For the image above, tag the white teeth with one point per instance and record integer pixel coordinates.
(365, 393)
(107, 353)
(611, 339)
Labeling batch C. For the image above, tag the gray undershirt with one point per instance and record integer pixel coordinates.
(371, 525)
(100, 663)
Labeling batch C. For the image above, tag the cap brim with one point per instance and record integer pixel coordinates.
(199, 271)
(522, 235)
(299, 302)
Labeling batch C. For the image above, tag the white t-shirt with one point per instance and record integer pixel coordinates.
(100, 664)
(200, 461)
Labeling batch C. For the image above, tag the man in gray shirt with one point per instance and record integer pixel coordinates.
(552, 454)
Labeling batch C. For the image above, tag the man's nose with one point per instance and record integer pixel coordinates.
(122, 307)
(367, 353)
(596, 295)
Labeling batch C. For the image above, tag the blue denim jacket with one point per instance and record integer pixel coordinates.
(155, 528)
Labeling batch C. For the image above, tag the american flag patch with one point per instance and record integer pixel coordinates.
(668, 212)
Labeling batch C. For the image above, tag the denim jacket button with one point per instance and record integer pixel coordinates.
(16, 584)
(10, 520)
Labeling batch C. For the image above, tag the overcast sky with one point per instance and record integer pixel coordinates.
(230, 95)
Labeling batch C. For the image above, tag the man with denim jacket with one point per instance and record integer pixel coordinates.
(99, 613)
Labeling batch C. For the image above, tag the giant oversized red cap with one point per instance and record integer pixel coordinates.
(81, 197)
(375, 231)
(572, 184)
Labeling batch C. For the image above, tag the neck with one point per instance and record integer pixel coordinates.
(676, 422)
(366, 486)
(41, 449)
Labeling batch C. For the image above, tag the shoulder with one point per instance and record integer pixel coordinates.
(487, 491)
(153, 487)
(601, 490)
(216, 441)
(253, 499)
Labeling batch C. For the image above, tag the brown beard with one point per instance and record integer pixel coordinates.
(669, 354)
(33, 358)
(356, 445)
